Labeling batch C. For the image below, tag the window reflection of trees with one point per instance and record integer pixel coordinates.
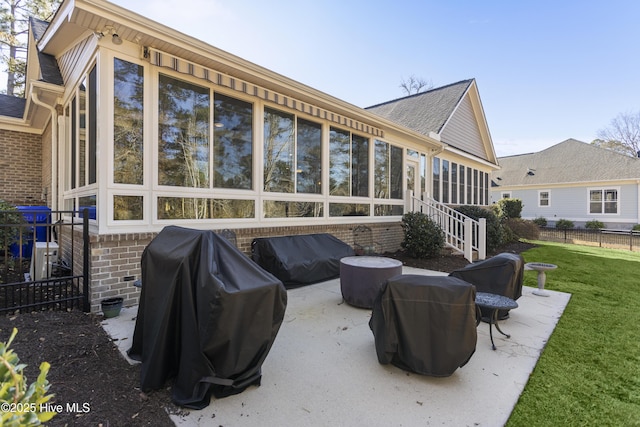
(309, 158)
(288, 209)
(339, 162)
(204, 208)
(128, 123)
(183, 121)
(233, 143)
(359, 166)
(278, 151)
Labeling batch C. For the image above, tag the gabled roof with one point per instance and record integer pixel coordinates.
(424, 112)
(48, 65)
(12, 106)
(570, 161)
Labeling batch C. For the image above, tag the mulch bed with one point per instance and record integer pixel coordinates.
(88, 371)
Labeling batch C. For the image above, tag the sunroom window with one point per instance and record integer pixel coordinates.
(348, 165)
(388, 171)
(128, 113)
(183, 129)
(292, 154)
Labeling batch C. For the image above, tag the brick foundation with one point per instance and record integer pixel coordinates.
(115, 258)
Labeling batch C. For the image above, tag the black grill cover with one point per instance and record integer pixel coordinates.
(501, 274)
(208, 316)
(425, 324)
(301, 260)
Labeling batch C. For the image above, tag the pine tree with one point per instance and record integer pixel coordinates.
(14, 25)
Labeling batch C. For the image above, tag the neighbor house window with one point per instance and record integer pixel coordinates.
(183, 129)
(603, 201)
(388, 171)
(544, 198)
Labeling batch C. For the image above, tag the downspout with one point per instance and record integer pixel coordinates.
(54, 148)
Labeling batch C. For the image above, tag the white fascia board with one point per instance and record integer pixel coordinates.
(120, 16)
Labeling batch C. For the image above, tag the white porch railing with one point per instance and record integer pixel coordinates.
(462, 233)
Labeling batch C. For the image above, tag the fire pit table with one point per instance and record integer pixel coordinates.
(541, 268)
(361, 278)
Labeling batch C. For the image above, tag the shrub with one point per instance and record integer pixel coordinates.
(495, 233)
(636, 227)
(509, 208)
(423, 238)
(540, 221)
(564, 224)
(12, 215)
(522, 229)
(22, 405)
(594, 225)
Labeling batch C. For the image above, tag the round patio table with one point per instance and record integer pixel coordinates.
(540, 267)
(361, 278)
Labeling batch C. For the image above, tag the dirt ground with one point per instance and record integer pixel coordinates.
(89, 377)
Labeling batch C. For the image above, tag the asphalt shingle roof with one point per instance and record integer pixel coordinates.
(570, 161)
(12, 106)
(48, 64)
(426, 111)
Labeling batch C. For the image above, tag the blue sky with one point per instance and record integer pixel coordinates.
(546, 70)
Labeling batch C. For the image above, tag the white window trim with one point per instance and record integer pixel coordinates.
(602, 189)
(540, 205)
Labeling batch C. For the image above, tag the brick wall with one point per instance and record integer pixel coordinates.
(21, 168)
(115, 259)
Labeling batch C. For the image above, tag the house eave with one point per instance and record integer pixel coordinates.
(80, 17)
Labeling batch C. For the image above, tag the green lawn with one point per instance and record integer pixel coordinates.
(589, 372)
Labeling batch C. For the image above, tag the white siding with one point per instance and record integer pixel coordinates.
(462, 130)
(72, 61)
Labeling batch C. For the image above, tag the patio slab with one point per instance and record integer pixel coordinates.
(323, 370)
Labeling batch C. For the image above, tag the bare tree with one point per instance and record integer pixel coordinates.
(415, 84)
(622, 135)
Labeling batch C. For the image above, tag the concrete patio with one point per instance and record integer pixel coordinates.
(323, 369)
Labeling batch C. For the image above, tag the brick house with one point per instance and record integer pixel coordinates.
(150, 127)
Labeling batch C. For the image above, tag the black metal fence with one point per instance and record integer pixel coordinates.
(604, 238)
(44, 260)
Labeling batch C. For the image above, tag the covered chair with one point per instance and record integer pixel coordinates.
(425, 324)
(208, 316)
(502, 274)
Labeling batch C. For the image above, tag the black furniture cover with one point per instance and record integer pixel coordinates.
(302, 259)
(425, 324)
(208, 316)
(501, 274)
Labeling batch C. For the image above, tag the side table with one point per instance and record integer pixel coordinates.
(493, 303)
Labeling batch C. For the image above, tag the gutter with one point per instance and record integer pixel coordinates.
(54, 148)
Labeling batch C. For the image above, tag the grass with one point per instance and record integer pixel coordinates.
(589, 372)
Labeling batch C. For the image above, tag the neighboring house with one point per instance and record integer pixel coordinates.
(149, 127)
(572, 180)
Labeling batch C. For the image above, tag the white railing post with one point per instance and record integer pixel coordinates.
(482, 239)
(409, 201)
(468, 240)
